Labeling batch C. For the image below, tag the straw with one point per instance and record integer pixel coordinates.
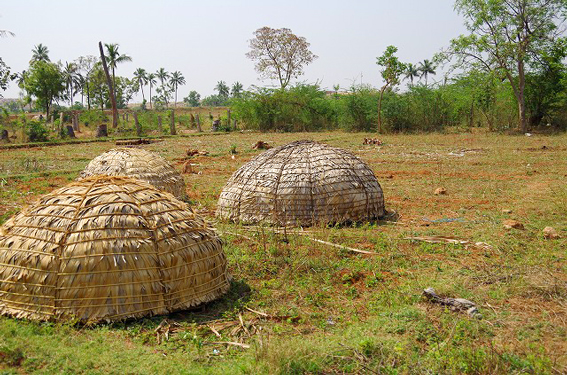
(302, 183)
(138, 163)
(108, 248)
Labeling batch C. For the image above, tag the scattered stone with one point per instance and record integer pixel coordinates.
(550, 233)
(440, 191)
(512, 224)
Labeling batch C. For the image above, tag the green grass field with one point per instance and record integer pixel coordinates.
(322, 309)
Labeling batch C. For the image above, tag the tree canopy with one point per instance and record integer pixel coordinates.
(508, 38)
(392, 69)
(45, 81)
(279, 54)
(5, 76)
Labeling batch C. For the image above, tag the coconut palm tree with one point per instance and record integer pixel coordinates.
(151, 79)
(142, 76)
(113, 57)
(21, 82)
(80, 86)
(411, 72)
(176, 80)
(21, 79)
(222, 89)
(163, 76)
(40, 53)
(236, 89)
(426, 67)
(70, 74)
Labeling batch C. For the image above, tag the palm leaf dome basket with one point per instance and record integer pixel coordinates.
(302, 183)
(138, 163)
(106, 249)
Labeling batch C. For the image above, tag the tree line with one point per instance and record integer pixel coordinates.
(510, 65)
(46, 83)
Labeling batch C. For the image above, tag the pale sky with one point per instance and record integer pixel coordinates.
(207, 40)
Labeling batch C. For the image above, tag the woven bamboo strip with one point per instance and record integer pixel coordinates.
(111, 254)
(302, 183)
(138, 163)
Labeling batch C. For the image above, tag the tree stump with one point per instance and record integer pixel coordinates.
(102, 131)
(216, 124)
(160, 127)
(198, 118)
(137, 124)
(4, 136)
(172, 124)
(70, 131)
(75, 122)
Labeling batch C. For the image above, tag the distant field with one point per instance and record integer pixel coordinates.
(332, 310)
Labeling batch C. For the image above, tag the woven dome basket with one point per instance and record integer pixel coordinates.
(138, 163)
(105, 249)
(302, 183)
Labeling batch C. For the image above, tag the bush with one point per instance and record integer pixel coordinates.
(92, 117)
(37, 132)
(359, 109)
(299, 108)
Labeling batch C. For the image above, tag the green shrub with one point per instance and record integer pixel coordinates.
(37, 132)
(299, 108)
(359, 109)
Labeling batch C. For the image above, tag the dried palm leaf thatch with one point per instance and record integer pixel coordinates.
(108, 248)
(302, 183)
(138, 163)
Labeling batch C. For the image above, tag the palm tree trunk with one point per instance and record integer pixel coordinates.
(142, 89)
(88, 96)
(110, 88)
(151, 96)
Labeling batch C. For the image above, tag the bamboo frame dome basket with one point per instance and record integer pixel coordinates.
(302, 183)
(138, 163)
(105, 249)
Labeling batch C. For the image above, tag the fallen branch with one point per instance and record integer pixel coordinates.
(306, 234)
(342, 246)
(214, 331)
(456, 304)
(257, 312)
(445, 239)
